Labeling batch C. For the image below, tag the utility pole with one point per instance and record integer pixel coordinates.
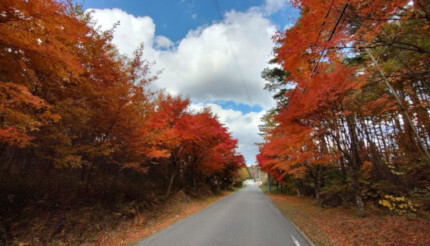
(259, 176)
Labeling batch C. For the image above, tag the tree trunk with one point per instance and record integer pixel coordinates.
(194, 180)
(402, 108)
(269, 183)
(356, 188)
(170, 184)
(181, 174)
(317, 194)
(297, 183)
(89, 177)
(355, 164)
(317, 185)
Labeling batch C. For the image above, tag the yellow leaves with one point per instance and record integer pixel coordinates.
(399, 205)
(400, 198)
(384, 203)
(394, 169)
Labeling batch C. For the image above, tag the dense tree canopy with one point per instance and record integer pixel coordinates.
(355, 122)
(77, 119)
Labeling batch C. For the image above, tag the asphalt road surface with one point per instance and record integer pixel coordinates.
(244, 218)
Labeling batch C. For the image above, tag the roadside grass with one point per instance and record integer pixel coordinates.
(105, 224)
(151, 222)
(341, 226)
(265, 189)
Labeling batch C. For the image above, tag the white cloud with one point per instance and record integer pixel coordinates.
(222, 61)
(244, 127)
(130, 33)
(194, 16)
(209, 63)
(273, 6)
(288, 26)
(162, 42)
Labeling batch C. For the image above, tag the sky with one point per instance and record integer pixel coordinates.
(213, 57)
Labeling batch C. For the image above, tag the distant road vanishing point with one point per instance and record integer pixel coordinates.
(244, 218)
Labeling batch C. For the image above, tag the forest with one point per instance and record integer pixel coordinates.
(85, 143)
(351, 126)
(79, 127)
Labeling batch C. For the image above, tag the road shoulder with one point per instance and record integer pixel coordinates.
(146, 225)
(308, 240)
(342, 226)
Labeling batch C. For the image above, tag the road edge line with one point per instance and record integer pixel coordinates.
(292, 222)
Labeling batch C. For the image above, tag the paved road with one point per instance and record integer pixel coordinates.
(244, 218)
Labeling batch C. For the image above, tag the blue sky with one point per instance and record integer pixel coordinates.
(214, 60)
(174, 18)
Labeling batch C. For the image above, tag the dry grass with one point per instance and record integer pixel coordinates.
(340, 226)
(102, 223)
(145, 225)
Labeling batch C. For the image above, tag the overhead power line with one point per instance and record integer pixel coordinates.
(323, 53)
(218, 10)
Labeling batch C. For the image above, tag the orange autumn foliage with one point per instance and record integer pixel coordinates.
(353, 120)
(80, 127)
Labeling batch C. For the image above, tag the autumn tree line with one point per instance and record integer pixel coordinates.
(78, 122)
(352, 125)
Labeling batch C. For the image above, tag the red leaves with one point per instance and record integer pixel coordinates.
(197, 140)
(359, 98)
(65, 88)
(380, 106)
(322, 84)
(297, 141)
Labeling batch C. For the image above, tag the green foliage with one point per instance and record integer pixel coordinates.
(276, 79)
